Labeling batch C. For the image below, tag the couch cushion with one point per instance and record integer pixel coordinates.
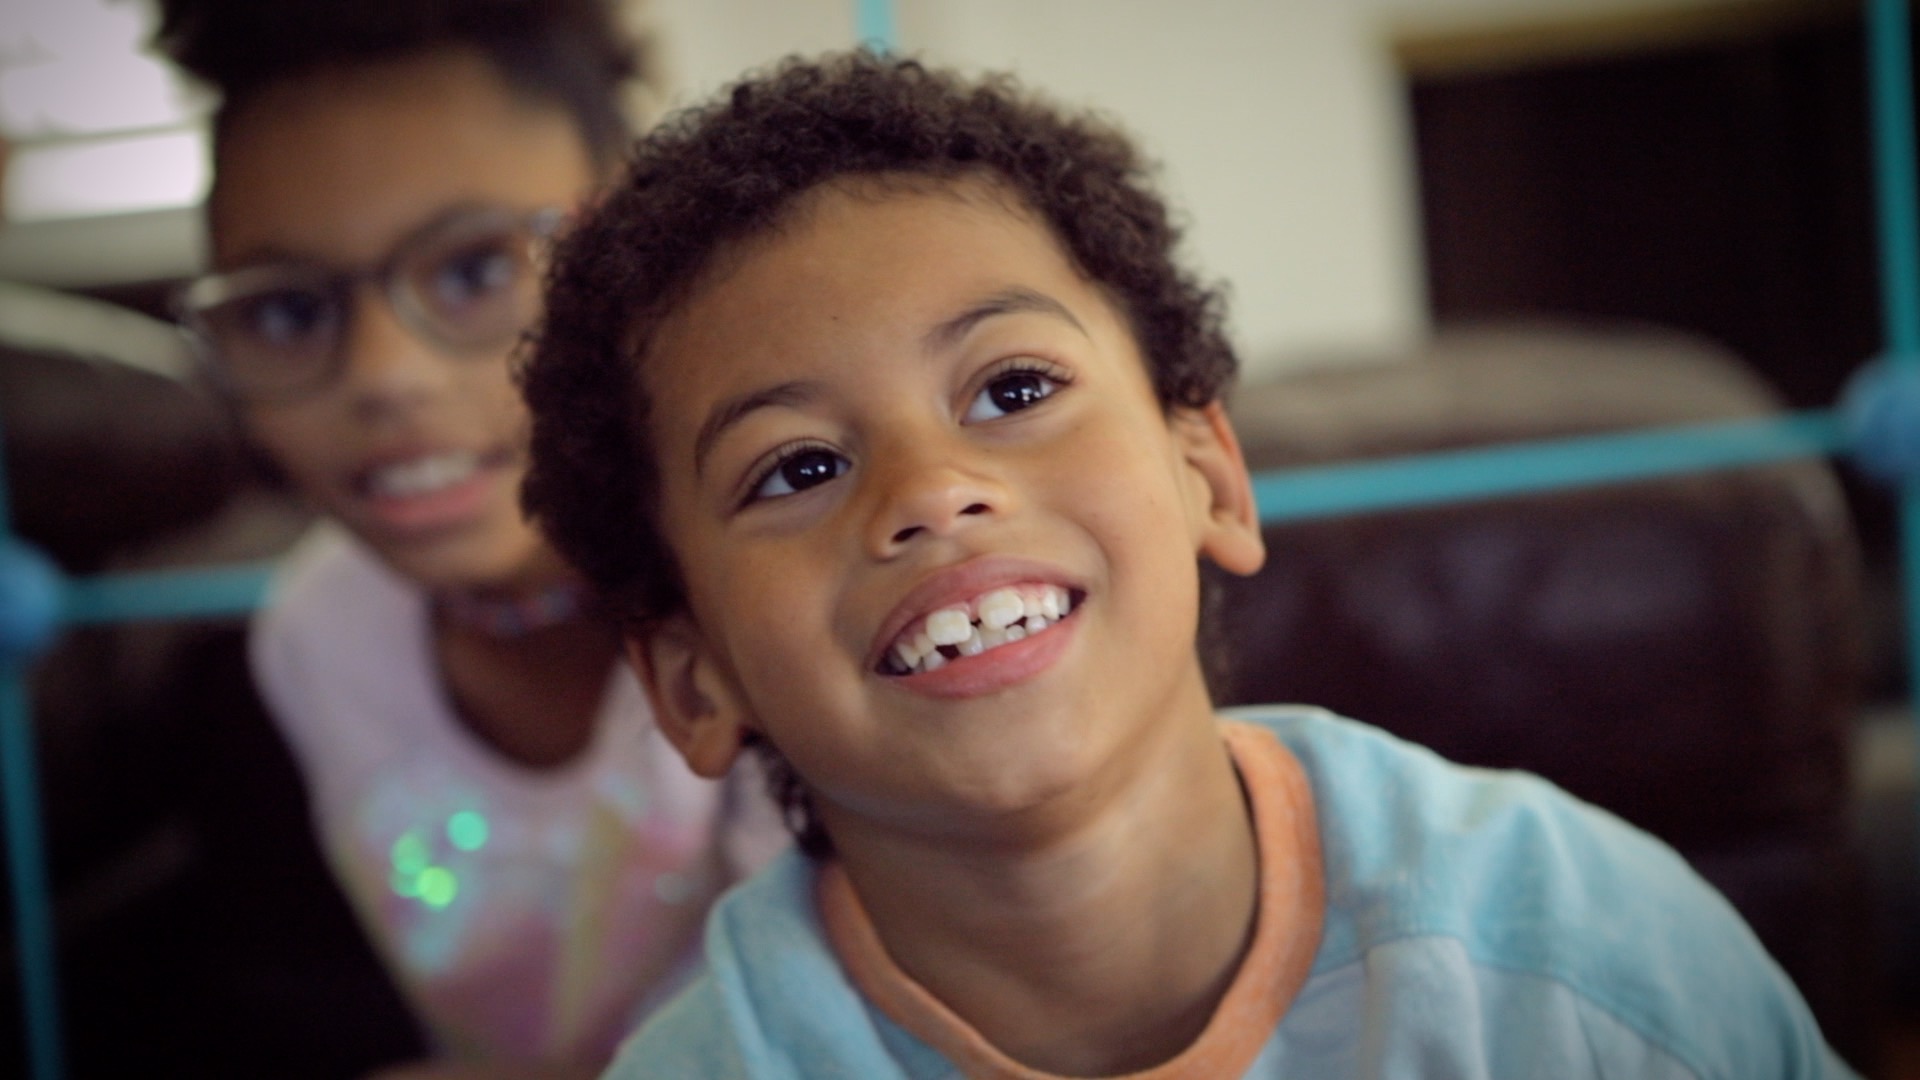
(1685, 652)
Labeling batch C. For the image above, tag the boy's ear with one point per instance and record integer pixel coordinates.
(695, 704)
(1226, 521)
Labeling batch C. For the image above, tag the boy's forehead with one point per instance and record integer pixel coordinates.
(837, 244)
(804, 210)
(858, 278)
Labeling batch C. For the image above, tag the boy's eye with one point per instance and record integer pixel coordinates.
(798, 471)
(1009, 393)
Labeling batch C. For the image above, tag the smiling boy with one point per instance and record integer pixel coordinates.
(877, 401)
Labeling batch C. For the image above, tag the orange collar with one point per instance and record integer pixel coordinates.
(1287, 929)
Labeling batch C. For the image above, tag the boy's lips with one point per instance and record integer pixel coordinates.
(990, 621)
(1002, 667)
(969, 611)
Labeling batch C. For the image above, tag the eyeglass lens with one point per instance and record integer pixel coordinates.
(466, 288)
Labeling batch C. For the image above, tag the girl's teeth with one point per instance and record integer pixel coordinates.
(423, 475)
(973, 646)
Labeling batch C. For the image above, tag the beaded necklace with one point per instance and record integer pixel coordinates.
(516, 617)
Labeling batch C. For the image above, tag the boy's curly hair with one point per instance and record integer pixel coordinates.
(571, 53)
(718, 175)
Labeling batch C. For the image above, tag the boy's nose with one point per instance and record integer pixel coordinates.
(924, 499)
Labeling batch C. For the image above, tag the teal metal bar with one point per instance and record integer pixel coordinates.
(875, 27)
(1283, 495)
(212, 592)
(1324, 491)
(1527, 468)
(1890, 70)
(27, 868)
(26, 861)
(1890, 67)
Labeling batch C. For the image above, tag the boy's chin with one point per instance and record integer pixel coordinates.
(1007, 792)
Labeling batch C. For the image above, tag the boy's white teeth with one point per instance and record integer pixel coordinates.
(949, 626)
(993, 619)
(423, 475)
(1001, 608)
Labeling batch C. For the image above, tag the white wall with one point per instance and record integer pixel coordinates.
(1281, 125)
(1280, 133)
(1276, 121)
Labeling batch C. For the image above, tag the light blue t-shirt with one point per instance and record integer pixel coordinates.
(1479, 925)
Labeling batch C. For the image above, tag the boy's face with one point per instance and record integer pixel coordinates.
(416, 447)
(901, 404)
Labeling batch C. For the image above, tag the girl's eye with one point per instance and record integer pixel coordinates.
(288, 317)
(806, 468)
(1011, 392)
(472, 277)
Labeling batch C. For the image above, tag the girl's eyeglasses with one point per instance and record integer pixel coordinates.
(468, 283)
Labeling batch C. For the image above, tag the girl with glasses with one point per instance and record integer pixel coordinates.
(528, 855)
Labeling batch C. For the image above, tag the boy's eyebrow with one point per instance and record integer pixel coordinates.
(729, 412)
(1008, 301)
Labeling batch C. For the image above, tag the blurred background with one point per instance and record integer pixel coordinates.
(1442, 222)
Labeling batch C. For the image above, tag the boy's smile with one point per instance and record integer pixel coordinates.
(937, 532)
(970, 628)
(968, 631)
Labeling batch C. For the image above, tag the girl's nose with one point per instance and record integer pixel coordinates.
(386, 368)
(926, 496)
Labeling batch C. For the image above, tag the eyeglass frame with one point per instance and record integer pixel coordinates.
(342, 285)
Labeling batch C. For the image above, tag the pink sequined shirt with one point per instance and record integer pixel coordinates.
(526, 914)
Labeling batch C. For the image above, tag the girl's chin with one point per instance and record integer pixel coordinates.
(496, 559)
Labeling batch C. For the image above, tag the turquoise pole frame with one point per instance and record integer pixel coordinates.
(1890, 70)
(27, 866)
(1322, 491)
(875, 27)
(212, 592)
(1529, 468)
(26, 858)
(1289, 495)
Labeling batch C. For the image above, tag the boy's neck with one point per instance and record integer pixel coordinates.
(1097, 950)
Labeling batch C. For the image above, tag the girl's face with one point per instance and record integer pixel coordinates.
(416, 446)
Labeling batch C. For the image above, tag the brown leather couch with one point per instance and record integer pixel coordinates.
(1684, 652)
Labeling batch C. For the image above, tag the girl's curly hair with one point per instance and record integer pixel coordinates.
(732, 170)
(571, 53)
